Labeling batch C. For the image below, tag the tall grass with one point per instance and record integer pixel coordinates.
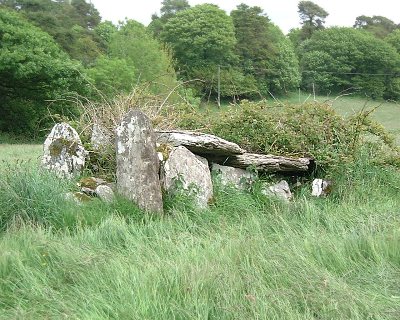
(246, 257)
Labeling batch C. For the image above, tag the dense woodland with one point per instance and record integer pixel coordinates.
(54, 51)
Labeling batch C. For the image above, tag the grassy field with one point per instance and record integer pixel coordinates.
(20, 152)
(387, 113)
(246, 257)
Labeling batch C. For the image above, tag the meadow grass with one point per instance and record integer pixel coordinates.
(12, 153)
(246, 257)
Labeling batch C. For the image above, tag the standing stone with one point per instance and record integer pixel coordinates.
(238, 178)
(63, 152)
(280, 190)
(184, 169)
(137, 162)
(100, 138)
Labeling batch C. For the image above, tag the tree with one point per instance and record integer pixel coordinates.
(33, 69)
(201, 38)
(71, 23)
(378, 25)
(295, 36)
(168, 10)
(394, 39)
(104, 32)
(312, 17)
(337, 59)
(144, 54)
(284, 73)
(264, 52)
(113, 76)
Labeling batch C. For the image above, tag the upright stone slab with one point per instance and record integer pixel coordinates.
(184, 169)
(137, 162)
(63, 152)
(101, 137)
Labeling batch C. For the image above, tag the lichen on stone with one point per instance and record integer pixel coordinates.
(165, 150)
(60, 144)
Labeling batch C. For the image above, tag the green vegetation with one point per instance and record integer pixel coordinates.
(312, 18)
(201, 38)
(377, 25)
(338, 59)
(69, 22)
(199, 52)
(32, 69)
(384, 112)
(11, 153)
(266, 55)
(246, 257)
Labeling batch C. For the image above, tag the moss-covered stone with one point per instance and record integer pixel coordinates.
(165, 150)
(91, 182)
(58, 145)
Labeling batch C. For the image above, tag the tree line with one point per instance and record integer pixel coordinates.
(51, 49)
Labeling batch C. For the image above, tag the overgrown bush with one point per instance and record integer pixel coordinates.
(312, 130)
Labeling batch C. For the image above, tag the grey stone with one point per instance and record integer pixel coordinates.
(203, 160)
(105, 193)
(321, 188)
(280, 190)
(91, 182)
(184, 169)
(101, 137)
(137, 162)
(265, 162)
(238, 178)
(197, 142)
(63, 152)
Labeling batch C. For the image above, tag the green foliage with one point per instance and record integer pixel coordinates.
(71, 23)
(168, 10)
(294, 36)
(104, 32)
(201, 38)
(343, 58)
(33, 69)
(284, 74)
(311, 130)
(377, 25)
(171, 7)
(265, 53)
(246, 257)
(394, 39)
(113, 76)
(233, 82)
(144, 55)
(312, 17)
